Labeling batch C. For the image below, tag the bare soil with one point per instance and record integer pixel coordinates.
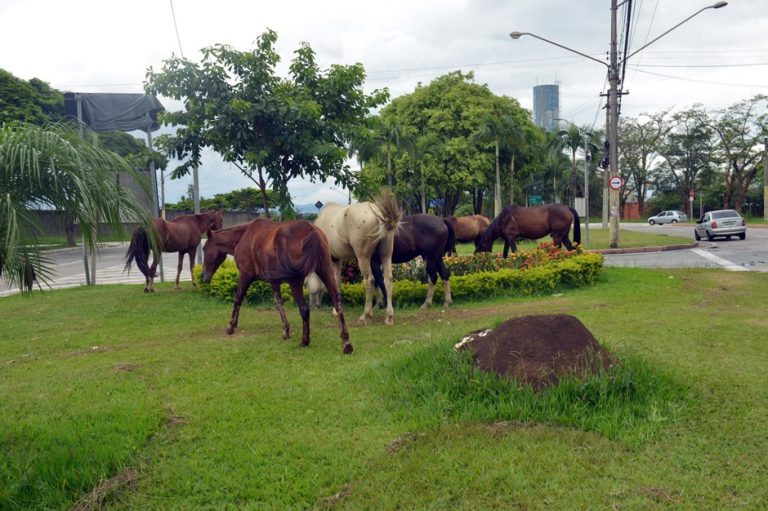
(538, 350)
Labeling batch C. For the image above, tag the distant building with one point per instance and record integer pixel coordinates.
(546, 106)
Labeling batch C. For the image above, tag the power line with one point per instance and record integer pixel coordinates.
(701, 81)
(176, 27)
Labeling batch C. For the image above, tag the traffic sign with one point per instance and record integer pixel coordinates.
(616, 182)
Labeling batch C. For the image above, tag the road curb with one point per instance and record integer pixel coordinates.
(640, 250)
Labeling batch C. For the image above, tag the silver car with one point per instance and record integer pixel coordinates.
(722, 222)
(668, 217)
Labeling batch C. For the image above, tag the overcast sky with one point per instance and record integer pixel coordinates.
(717, 58)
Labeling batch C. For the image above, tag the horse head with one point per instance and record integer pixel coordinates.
(213, 256)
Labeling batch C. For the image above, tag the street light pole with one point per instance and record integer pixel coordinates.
(612, 121)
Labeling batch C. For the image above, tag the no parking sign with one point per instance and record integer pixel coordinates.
(616, 183)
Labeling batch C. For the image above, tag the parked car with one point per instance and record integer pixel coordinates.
(668, 217)
(722, 222)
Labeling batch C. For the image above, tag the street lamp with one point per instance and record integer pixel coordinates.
(584, 136)
(612, 127)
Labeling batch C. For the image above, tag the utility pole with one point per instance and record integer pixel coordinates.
(765, 178)
(613, 132)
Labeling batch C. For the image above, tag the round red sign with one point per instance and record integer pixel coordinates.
(616, 182)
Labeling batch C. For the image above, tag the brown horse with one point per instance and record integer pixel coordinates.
(359, 231)
(430, 237)
(276, 252)
(469, 228)
(532, 223)
(180, 235)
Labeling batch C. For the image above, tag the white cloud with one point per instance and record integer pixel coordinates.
(98, 46)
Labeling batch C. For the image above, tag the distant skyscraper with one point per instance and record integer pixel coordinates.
(546, 106)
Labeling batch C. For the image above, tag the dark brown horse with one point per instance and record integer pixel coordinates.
(180, 235)
(430, 237)
(469, 228)
(276, 252)
(532, 223)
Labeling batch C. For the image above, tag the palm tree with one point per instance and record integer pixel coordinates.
(493, 129)
(53, 167)
(424, 145)
(387, 135)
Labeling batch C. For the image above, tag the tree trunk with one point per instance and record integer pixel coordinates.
(512, 181)
(497, 186)
(264, 196)
(423, 191)
(389, 167)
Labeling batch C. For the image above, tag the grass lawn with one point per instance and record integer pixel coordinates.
(108, 381)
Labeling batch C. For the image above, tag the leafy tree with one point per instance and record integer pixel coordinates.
(247, 200)
(54, 167)
(639, 141)
(273, 129)
(740, 129)
(32, 101)
(688, 154)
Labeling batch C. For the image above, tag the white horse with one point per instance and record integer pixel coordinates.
(360, 230)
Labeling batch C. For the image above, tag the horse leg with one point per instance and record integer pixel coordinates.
(242, 287)
(325, 275)
(365, 269)
(431, 280)
(298, 296)
(506, 248)
(567, 242)
(386, 267)
(280, 309)
(192, 266)
(446, 276)
(151, 277)
(179, 267)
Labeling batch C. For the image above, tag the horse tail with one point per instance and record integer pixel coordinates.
(576, 226)
(450, 243)
(138, 250)
(315, 251)
(389, 213)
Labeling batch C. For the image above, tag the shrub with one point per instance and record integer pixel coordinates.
(551, 271)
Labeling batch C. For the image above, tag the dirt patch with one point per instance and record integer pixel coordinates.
(538, 350)
(330, 502)
(403, 441)
(108, 489)
(127, 368)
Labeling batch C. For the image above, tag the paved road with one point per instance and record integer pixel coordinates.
(69, 269)
(750, 254)
(736, 255)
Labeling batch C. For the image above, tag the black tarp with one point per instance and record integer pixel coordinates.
(115, 112)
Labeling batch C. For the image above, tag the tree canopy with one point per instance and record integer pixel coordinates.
(273, 129)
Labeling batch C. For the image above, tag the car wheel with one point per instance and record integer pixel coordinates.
(652, 222)
(710, 236)
(696, 235)
(674, 221)
(743, 235)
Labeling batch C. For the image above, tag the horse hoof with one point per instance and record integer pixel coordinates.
(347, 348)
(389, 321)
(146, 290)
(230, 331)
(363, 320)
(286, 334)
(425, 305)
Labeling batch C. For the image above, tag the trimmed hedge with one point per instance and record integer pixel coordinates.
(573, 271)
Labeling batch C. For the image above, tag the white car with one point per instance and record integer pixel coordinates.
(668, 217)
(722, 222)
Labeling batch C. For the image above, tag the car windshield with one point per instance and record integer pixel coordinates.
(728, 213)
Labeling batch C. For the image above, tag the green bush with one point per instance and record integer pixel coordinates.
(550, 272)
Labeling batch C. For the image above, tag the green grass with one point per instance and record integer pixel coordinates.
(94, 381)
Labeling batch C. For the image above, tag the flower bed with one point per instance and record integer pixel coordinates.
(478, 276)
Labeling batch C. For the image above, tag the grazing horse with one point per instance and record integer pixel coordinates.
(427, 236)
(362, 230)
(469, 228)
(180, 235)
(276, 252)
(532, 223)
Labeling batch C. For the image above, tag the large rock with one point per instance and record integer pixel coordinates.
(538, 350)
